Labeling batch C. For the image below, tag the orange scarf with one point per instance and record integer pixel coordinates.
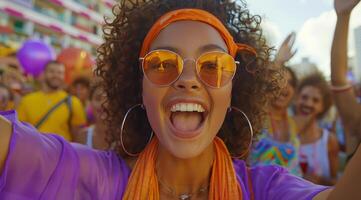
(143, 183)
(193, 15)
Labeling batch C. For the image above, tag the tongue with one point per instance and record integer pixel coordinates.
(186, 121)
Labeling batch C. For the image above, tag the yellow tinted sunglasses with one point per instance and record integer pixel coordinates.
(163, 67)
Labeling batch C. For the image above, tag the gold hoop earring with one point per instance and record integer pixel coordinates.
(122, 130)
(250, 128)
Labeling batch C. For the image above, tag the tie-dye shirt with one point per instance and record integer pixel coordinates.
(268, 151)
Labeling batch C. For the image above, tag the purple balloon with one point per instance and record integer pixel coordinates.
(34, 55)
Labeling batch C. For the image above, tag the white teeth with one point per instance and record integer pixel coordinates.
(187, 107)
(190, 107)
(183, 107)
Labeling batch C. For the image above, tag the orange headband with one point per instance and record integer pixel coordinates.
(193, 15)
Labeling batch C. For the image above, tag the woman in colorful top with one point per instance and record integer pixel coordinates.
(278, 144)
(180, 68)
(319, 148)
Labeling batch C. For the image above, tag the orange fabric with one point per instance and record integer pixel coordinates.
(143, 183)
(193, 15)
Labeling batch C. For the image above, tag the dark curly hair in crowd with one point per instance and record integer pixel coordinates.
(294, 80)
(318, 81)
(118, 65)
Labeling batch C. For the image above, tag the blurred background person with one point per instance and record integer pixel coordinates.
(52, 110)
(5, 96)
(279, 144)
(319, 147)
(15, 81)
(94, 136)
(80, 88)
(10, 60)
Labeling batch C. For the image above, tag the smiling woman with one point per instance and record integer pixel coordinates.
(250, 90)
(319, 148)
(183, 70)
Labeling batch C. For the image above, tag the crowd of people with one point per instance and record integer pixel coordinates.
(186, 102)
(50, 104)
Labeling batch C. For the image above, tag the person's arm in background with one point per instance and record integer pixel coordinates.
(348, 187)
(333, 149)
(5, 134)
(81, 136)
(76, 133)
(345, 100)
(78, 119)
(285, 51)
(21, 110)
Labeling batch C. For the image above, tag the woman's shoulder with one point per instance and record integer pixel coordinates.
(69, 168)
(9, 115)
(259, 172)
(274, 182)
(254, 180)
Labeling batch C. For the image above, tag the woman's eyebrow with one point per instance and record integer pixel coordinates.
(202, 49)
(211, 47)
(166, 48)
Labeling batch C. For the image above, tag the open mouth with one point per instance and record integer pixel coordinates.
(187, 119)
(306, 110)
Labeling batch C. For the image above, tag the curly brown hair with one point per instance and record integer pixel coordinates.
(118, 65)
(294, 79)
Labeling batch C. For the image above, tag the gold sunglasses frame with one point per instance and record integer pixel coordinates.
(141, 59)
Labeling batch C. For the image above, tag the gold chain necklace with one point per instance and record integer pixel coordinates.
(182, 196)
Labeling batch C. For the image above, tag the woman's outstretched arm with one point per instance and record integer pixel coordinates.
(349, 109)
(348, 186)
(5, 133)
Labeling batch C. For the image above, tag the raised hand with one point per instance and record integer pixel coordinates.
(345, 6)
(286, 52)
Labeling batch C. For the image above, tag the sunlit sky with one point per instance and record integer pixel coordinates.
(312, 20)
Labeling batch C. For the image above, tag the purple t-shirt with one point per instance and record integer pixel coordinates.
(45, 166)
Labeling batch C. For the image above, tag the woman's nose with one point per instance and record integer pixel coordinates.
(188, 80)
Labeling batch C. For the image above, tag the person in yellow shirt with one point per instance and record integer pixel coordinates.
(52, 110)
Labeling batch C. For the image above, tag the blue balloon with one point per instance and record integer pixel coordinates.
(34, 55)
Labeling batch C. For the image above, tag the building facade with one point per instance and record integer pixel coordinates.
(60, 23)
(304, 68)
